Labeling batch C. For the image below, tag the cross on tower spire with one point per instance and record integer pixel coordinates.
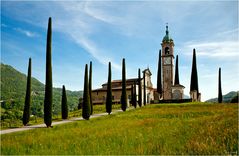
(167, 28)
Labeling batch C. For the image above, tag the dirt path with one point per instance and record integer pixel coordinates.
(54, 123)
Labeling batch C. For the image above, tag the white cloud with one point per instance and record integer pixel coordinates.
(96, 53)
(229, 32)
(26, 32)
(100, 14)
(220, 49)
(132, 19)
(82, 26)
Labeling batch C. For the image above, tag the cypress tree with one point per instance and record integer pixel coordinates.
(64, 106)
(144, 90)
(159, 80)
(48, 85)
(86, 97)
(132, 94)
(109, 92)
(26, 112)
(176, 79)
(139, 89)
(90, 89)
(219, 87)
(194, 75)
(135, 98)
(124, 94)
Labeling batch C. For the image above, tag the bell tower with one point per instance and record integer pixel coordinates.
(167, 65)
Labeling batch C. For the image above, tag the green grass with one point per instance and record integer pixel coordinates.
(154, 129)
(16, 123)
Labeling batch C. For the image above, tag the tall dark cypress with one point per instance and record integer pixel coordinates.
(219, 87)
(90, 89)
(132, 94)
(124, 94)
(139, 89)
(109, 92)
(26, 112)
(194, 75)
(64, 106)
(135, 97)
(48, 85)
(176, 79)
(144, 90)
(86, 97)
(159, 79)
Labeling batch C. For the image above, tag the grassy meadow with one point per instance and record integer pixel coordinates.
(155, 129)
(34, 120)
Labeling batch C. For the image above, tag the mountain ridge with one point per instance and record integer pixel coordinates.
(13, 88)
(225, 98)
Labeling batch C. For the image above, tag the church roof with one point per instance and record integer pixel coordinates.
(113, 88)
(120, 81)
(178, 86)
(167, 37)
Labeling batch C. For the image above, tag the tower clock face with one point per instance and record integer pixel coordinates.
(167, 60)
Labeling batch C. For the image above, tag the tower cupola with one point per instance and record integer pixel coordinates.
(167, 37)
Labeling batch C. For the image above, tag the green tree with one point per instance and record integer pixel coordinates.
(26, 112)
(139, 89)
(132, 93)
(235, 99)
(124, 94)
(109, 92)
(86, 97)
(159, 78)
(194, 75)
(90, 89)
(134, 103)
(48, 85)
(144, 90)
(219, 87)
(64, 106)
(176, 79)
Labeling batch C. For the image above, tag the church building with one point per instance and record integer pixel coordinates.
(171, 89)
(170, 86)
(99, 95)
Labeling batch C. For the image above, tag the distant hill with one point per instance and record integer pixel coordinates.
(13, 88)
(13, 83)
(186, 96)
(225, 98)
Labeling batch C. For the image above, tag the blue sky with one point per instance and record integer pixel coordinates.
(103, 31)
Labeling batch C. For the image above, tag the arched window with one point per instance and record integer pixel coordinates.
(166, 50)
